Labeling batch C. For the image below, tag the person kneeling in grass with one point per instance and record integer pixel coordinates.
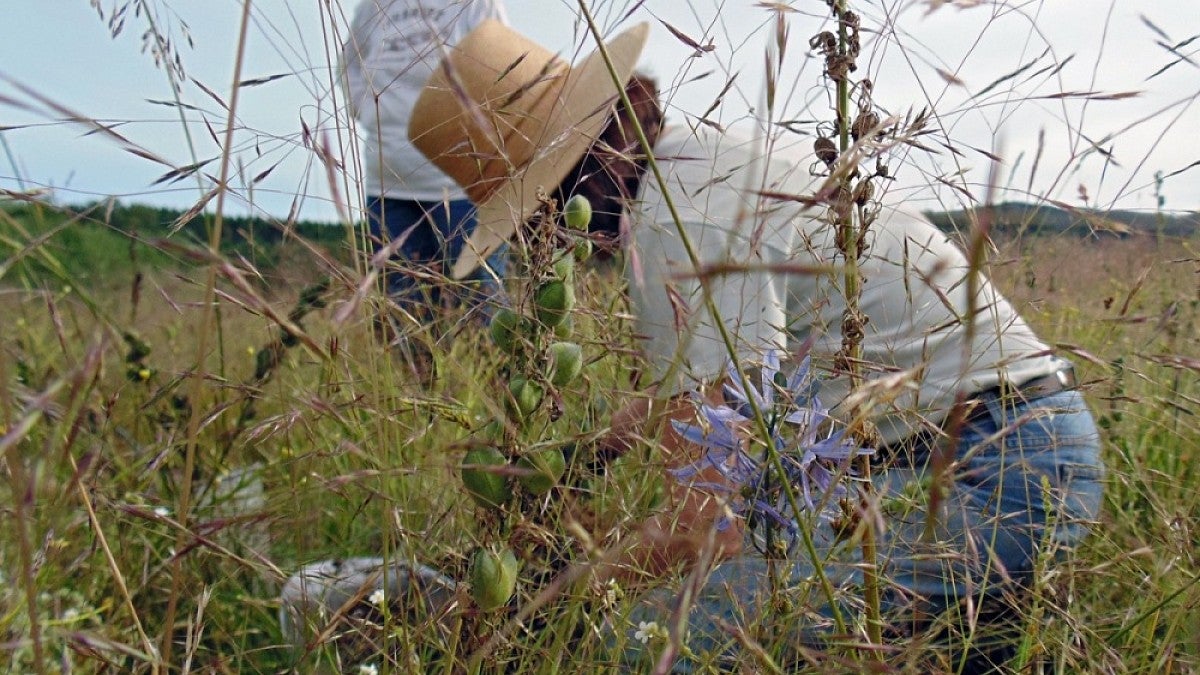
(985, 458)
(988, 457)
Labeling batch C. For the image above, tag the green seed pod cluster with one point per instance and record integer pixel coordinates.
(512, 468)
(536, 335)
(578, 216)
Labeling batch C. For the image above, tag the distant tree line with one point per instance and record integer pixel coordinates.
(147, 222)
(1047, 219)
(105, 238)
(236, 231)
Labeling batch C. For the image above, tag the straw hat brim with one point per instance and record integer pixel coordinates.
(587, 97)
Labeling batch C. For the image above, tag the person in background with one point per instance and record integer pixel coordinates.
(412, 206)
(987, 459)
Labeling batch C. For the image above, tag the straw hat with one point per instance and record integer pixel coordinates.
(503, 116)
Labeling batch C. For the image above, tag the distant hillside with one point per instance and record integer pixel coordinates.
(103, 239)
(1059, 219)
(99, 240)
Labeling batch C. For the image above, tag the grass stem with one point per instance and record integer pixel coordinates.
(208, 313)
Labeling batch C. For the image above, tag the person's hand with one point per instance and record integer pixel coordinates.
(695, 525)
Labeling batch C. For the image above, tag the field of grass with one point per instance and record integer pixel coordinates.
(341, 451)
(193, 409)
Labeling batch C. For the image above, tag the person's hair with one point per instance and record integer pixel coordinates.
(611, 172)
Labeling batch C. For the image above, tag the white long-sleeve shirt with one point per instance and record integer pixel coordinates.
(915, 291)
(393, 48)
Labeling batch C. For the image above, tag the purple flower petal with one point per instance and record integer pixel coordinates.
(797, 384)
(810, 418)
(775, 515)
(770, 367)
(807, 462)
(733, 388)
(683, 473)
(836, 447)
(717, 438)
(723, 415)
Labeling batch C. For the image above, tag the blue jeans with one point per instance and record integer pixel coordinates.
(1024, 487)
(434, 234)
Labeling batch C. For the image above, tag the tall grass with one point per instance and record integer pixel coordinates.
(164, 472)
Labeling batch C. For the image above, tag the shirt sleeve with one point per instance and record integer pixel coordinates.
(687, 318)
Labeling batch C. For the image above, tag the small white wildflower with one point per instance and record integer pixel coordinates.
(377, 598)
(162, 511)
(368, 669)
(646, 631)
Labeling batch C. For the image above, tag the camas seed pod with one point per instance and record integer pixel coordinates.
(526, 396)
(507, 329)
(864, 124)
(565, 329)
(486, 486)
(578, 213)
(566, 361)
(541, 470)
(583, 250)
(864, 191)
(553, 300)
(493, 577)
(564, 266)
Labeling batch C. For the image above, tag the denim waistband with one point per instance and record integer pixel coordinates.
(980, 406)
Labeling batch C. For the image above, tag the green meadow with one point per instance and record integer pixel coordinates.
(194, 405)
(339, 449)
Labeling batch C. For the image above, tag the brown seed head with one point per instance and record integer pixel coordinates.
(825, 150)
(864, 124)
(864, 191)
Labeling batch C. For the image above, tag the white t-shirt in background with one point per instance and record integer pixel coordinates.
(915, 293)
(393, 48)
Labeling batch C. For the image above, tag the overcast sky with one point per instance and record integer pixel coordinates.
(59, 57)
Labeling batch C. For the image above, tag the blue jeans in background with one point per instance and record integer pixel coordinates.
(1024, 489)
(439, 230)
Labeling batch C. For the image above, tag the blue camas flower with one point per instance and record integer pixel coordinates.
(795, 419)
